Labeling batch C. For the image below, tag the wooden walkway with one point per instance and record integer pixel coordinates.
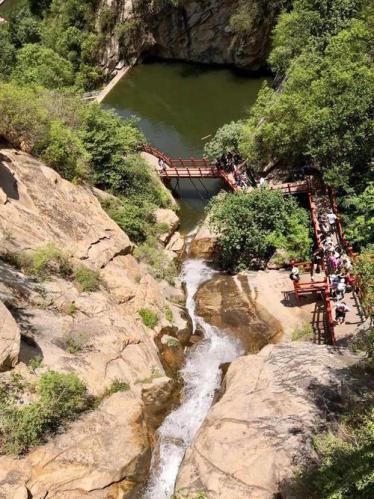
(320, 201)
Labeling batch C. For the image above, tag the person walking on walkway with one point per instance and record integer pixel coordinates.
(341, 310)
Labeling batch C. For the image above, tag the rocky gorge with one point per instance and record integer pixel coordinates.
(243, 438)
(198, 31)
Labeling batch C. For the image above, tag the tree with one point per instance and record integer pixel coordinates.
(7, 53)
(226, 140)
(42, 66)
(250, 226)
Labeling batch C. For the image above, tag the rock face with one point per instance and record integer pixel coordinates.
(10, 339)
(98, 335)
(104, 454)
(203, 244)
(198, 31)
(255, 436)
(44, 207)
(230, 304)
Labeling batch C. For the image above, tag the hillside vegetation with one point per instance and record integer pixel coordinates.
(322, 113)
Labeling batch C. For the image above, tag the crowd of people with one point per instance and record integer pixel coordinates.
(233, 163)
(338, 265)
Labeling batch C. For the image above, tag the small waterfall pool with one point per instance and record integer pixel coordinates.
(202, 377)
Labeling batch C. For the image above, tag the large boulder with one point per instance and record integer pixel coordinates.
(203, 244)
(106, 453)
(254, 437)
(10, 339)
(230, 304)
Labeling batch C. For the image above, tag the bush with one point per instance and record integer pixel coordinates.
(35, 362)
(117, 386)
(149, 318)
(64, 152)
(251, 226)
(160, 265)
(61, 397)
(89, 280)
(363, 270)
(49, 260)
(75, 341)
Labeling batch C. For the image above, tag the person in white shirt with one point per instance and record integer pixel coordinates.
(340, 312)
(331, 217)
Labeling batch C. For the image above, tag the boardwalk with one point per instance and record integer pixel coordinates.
(320, 202)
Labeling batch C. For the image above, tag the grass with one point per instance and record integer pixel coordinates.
(71, 309)
(303, 333)
(154, 375)
(117, 386)
(168, 314)
(89, 280)
(50, 260)
(149, 318)
(161, 268)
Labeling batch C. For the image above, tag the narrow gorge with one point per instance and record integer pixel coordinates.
(186, 249)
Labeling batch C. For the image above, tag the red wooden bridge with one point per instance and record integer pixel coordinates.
(203, 168)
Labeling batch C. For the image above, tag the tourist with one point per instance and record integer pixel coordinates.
(346, 264)
(332, 263)
(341, 289)
(317, 260)
(161, 164)
(262, 182)
(341, 310)
(295, 274)
(331, 217)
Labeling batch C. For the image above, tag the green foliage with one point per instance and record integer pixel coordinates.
(161, 267)
(117, 386)
(23, 119)
(364, 342)
(226, 140)
(7, 53)
(61, 397)
(65, 152)
(359, 224)
(344, 466)
(155, 373)
(88, 279)
(49, 260)
(35, 362)
(323, 114)
(363, 270)
(149, 318)
(39, 65)
(303, 333)
(249, 227)
(71, 309)
(134, 218)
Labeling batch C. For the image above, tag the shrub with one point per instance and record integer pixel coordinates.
(64, 152)
(149, 318)
(160, 265)
(71, 309)
(50, 260)
(89, 280)
(117, 386)
(61, 397)
(35, 362)
(75, 341)
(363, 270)
(250, 226)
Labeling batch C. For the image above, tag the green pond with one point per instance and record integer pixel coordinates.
(178, 107)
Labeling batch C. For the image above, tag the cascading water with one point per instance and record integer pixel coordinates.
(202, 376)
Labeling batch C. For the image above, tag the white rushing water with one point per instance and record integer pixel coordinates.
(202, 376)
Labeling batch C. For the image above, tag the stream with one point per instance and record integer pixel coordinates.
(202, 377)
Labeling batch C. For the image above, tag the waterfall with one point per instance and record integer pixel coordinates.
(202, 376)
